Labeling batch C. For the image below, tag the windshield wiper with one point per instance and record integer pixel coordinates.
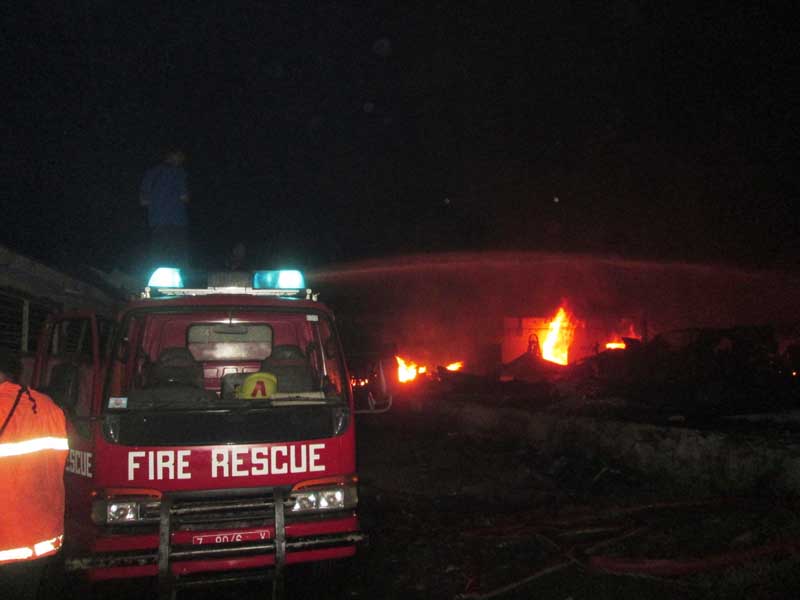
(299, 400)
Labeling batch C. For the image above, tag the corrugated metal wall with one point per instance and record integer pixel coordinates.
(21, 319)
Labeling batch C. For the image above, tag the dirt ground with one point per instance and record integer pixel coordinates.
(455, 516)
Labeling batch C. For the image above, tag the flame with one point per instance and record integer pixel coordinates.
(407, 370)
(555, 347)
(617, 342)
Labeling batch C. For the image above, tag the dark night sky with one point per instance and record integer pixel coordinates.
(322, 132)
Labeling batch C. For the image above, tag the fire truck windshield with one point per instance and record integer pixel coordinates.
(224, 375)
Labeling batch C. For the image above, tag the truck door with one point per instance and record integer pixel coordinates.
(69, 368)
(68, 364)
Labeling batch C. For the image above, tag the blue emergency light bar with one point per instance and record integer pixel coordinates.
(285, 279)
(166, 277)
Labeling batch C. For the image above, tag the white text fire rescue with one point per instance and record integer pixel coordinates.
(228, 461)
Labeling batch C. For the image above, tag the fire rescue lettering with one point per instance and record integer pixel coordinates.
(161, 464)
(79, 462)
(228, 462)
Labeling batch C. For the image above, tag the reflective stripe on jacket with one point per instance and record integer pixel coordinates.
(33, 453)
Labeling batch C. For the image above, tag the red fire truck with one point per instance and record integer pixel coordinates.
(211, 432)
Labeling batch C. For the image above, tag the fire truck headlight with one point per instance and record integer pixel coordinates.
(123, 511)
(110, 512)
(341, 497)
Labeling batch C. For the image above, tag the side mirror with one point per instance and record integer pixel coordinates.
(373, 398)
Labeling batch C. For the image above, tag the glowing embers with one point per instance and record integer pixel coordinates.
(455, 366)
(555, 347)
(616, 346)
(359, 381)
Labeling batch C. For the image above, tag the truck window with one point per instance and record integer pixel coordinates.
(69, 370)
(213, 352)
(230, 342)
(196, 369)
(69, 339)
(105, 332)
(329, 357)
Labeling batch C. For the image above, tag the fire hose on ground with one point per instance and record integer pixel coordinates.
(676, 567)
(584, 555)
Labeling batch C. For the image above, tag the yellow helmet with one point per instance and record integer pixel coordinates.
(258, 386)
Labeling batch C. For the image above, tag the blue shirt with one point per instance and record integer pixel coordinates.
(163, 187)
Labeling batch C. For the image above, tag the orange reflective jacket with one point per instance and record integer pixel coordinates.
(33, 452)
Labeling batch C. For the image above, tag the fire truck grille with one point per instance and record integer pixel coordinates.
(198, 514)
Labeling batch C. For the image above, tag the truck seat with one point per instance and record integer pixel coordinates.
(290, 366)
(229, 383)
(175, 365)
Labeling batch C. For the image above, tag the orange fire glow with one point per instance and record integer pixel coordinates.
(555, 347)
(408, 370)
(617, 342)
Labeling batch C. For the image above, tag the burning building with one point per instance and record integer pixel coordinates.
(485, 309)
(564, 337)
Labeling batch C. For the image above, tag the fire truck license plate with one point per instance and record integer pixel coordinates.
(232, 537)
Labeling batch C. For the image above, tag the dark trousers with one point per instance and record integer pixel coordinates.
(21, 580)
(169, 246)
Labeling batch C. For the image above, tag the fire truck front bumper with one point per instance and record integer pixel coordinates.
(232, 557)
(240, 532)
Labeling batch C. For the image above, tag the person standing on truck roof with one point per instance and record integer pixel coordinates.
(33, 454)
(165, 194)
(237, 257)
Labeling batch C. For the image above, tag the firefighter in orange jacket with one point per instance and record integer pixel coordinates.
(33, 453)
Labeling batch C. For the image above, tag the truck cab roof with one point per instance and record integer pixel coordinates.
(227, 299)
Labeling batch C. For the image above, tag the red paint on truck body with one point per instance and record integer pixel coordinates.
(106, 468)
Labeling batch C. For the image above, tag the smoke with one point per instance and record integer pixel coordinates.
(451, 306)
